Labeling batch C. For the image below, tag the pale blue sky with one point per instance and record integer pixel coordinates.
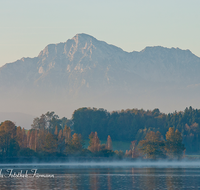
(27, 26)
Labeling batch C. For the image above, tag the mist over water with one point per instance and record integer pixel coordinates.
(124, 175)
(110, 164)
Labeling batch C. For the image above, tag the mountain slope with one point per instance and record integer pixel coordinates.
(84, 71)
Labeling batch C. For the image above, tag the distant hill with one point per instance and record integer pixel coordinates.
(20, 119)
(84, 71)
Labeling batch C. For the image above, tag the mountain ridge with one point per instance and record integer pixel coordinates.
(86, 71)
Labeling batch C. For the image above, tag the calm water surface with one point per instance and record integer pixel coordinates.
(103, 176)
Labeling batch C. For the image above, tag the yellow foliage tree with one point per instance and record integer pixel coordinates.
(50, 143)
(109, 143)
(173, 145)
(152, 146)
(94, 144)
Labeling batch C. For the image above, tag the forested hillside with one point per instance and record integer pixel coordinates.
(129, 125)
(61, 136)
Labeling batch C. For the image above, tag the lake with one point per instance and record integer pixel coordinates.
(101, 176)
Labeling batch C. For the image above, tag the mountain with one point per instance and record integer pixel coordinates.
(84, 71)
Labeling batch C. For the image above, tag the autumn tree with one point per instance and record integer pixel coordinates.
(41, 139)
(50, 143)
(133, 152)
(76, 143)
(32, 139)
(61, 142)
(19, 136)
(9, 128)
(24, 139)
(153, 145)
(9, 145)
(67, 134)
(173, 145)
(56, 131)
(109, 143)
(94, 144)
(28, 138)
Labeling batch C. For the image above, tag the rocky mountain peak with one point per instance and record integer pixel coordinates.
(82, 38)
(86, 67)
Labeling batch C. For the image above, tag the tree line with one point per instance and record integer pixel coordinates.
(16, 142)
(50, 135)
(134, 124)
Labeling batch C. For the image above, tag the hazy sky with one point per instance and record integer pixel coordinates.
(27, 26)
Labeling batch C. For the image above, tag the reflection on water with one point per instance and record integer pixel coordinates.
(105, 178)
